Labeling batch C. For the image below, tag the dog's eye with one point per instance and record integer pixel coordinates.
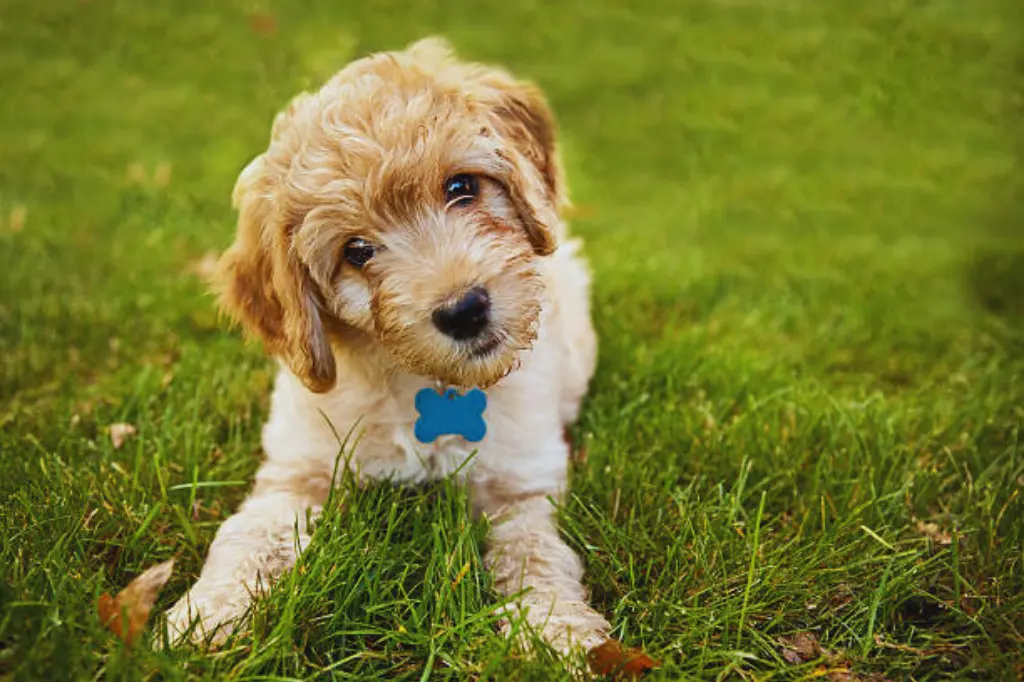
(461, 189)
(358, 252)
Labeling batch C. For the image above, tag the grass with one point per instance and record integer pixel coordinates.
(806, 227)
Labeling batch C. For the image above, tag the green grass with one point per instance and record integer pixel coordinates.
(806, 226)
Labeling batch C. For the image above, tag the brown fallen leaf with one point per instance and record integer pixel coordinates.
(611, 658)
(120, 433)
(126, 614)
(801, 647)
(804, 646)
(934, 533)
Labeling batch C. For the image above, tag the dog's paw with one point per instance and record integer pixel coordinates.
(567, 626)
(204, 620)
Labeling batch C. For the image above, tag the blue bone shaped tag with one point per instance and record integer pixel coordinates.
(450, 414)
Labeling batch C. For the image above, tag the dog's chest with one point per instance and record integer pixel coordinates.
(389, 448)
(395, 453)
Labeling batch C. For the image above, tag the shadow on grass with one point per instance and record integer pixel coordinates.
(996, 277)
(996, 273)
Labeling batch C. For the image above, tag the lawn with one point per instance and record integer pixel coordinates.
(803, 443)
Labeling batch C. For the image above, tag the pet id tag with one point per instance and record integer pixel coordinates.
(450, 414)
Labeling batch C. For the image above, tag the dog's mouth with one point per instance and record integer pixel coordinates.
(485, 347)
(478, 366)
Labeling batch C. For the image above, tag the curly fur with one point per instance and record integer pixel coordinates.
(367, 156)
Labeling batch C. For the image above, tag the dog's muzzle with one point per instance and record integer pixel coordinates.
(466, 317)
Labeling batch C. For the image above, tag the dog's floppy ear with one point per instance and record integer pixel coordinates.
(520, 115)
(531, 172)
(262, 284)
(534, 180)
(528, 122)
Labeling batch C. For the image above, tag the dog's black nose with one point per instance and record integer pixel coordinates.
(466, 317)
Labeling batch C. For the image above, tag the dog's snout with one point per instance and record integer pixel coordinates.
(466, 317)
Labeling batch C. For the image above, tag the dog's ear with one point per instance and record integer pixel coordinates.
(532, 171)
(519, 114)
(262, 284)
(528, 122)
(534, 181)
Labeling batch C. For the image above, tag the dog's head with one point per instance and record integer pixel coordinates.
(406, 202)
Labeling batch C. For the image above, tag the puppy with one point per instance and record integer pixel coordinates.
(401, 232)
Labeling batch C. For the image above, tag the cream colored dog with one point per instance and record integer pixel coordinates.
(402, 231)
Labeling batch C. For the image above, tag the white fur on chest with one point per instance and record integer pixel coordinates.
(379, 427)
(393, 450)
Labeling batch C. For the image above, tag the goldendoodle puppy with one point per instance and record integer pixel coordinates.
(400, 251)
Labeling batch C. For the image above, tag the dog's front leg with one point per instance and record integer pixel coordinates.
(525, 552)
(251, 549)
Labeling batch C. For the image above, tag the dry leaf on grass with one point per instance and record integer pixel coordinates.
(801, 647)
(120, 433)
(934, 533)
(126, 614)
(611, 658)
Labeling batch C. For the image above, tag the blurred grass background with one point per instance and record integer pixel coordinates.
(807, 232)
